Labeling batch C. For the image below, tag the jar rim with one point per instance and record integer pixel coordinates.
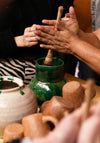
(11, 79)
(39, 62)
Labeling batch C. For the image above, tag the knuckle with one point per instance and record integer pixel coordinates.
(26, 29)
(25, 34)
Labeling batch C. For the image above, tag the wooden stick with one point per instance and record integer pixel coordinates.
(88, 93)
(49, 57)
(60, 11)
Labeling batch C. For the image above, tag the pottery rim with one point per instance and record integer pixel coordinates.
(16, 80)
(40, 62)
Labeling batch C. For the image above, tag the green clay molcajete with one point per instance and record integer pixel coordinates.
(49, 80)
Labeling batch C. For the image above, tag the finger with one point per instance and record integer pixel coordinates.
(89, 130)
(49, 22)
(45, 40)
(27, 29)
(65, 18)
(48, 40)
(33, 27)
(46, 29)
(68, 128)
(46, 46)
(30, 29)
(49, 47)
(30, 34)
(92, 110)
(31, 39)
(97, 110)
(30, 44)
(53, 47)
(44, 35)
(67, 15)
(72, 13)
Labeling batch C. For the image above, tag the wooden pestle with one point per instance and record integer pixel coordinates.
(88, 92)
(49, 57)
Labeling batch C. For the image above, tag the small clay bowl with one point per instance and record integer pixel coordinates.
(13, 131)
(73, 92)
(57, 107)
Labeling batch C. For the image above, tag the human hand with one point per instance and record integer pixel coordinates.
(68, 22)
(28, 39)
(59, 41)
(71, 129)
(90, 129)
(66, 131)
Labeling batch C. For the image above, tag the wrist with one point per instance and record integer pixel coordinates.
(74, 40)
(19, 41)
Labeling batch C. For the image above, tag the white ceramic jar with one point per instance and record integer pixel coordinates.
(16, 101)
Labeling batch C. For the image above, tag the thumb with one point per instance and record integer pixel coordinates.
(72, 13)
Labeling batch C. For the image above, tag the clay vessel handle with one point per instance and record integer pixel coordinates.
(50, 120)
(49, 57)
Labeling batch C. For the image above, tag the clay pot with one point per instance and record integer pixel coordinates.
(13, 131)
(16, 101)
(37, 125)
(43, 106)
(57, 107)
(73, 92)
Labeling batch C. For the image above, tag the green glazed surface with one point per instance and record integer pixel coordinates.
(49, 80)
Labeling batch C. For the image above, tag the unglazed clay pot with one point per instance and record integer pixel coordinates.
(49, 80)
(44, 105)
(74, 92)
(37, 125)
(13, 131)
(16, 101)
(56, 107)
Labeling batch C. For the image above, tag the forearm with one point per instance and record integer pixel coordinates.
(90, 38)
(86, 53)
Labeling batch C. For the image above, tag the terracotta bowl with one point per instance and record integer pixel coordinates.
(74, 92)
(57, 107)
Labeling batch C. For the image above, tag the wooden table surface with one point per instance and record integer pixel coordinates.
(96, 99)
